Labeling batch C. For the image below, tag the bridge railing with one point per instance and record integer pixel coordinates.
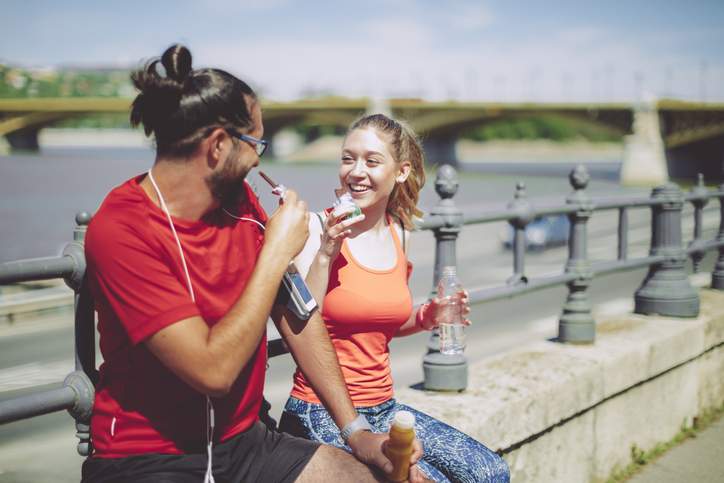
(666, 289)
(77, 391)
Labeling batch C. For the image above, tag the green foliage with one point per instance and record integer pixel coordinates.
(24, 83)
(113, 121)
(314, 131)
(551, 127)
(639, 457)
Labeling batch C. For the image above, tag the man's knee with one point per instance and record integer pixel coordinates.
(333, 464)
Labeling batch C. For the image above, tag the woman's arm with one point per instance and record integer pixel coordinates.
(322, 247)
(423, 316)
(421, 319)
(309, 262)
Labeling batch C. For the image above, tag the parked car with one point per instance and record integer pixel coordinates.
(542, 232)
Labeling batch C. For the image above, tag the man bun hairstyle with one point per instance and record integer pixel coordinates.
(181, 106)
(177, 62)
(405, 146)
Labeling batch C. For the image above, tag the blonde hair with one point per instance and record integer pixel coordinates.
(405, 146)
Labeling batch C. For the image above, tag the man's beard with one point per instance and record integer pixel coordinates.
(227, 186)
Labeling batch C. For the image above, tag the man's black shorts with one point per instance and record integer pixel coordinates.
(258, 454)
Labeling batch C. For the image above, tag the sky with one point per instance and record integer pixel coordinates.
(501, 51)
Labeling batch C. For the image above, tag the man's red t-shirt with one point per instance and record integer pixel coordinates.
(137, 279)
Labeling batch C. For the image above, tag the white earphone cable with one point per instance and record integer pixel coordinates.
(175, 235)
(244, 219)
(208, 477)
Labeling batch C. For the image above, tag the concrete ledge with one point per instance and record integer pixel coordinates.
(571, 413)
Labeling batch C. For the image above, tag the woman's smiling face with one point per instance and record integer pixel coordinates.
(368, 170)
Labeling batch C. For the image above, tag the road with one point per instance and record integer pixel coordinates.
(39, 352)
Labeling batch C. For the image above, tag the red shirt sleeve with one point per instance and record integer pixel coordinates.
(135, 280)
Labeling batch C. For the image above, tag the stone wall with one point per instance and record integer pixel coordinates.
(569, 413)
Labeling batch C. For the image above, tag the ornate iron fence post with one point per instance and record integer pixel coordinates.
(576, 324)
(698, 255)
(524, 212)
(81, 380)
(666, 289)
(717, 276)
(445, 372)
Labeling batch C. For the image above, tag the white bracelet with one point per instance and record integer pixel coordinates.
(359, 423)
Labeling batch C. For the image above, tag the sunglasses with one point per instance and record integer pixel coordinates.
(259, 145)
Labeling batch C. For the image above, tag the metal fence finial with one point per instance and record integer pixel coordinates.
(579, 177)
(83, 218)
(520, 191)
(446, 182)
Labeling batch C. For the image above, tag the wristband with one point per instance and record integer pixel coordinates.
(420, 316)
(359, 423)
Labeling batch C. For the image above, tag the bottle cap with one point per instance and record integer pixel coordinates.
(404, 420)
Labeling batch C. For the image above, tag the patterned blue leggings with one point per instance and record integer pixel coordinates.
(450, 455)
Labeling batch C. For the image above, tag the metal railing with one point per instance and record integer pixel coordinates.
(77, 391)
(665, 290)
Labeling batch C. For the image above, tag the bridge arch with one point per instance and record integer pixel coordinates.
(692, 133)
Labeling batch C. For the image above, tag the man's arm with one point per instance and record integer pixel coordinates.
(312, 349)
(210, 359)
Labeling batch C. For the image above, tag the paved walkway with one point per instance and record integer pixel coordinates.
(699, 459)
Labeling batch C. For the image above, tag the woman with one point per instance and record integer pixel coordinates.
(358, 270)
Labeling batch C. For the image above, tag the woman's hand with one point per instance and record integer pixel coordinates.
(427, 313)
(335, 230)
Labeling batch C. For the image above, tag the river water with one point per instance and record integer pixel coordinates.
(40, 193)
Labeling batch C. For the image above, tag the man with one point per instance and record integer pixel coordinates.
(185, 267)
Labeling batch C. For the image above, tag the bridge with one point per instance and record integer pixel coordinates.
(662, 139)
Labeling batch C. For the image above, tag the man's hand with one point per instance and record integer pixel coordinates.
(288, 227)
(369, 448)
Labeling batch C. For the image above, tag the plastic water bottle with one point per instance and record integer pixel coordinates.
(450, 313)
(399, 447)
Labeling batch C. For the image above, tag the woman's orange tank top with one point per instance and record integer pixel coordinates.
(363, 309)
